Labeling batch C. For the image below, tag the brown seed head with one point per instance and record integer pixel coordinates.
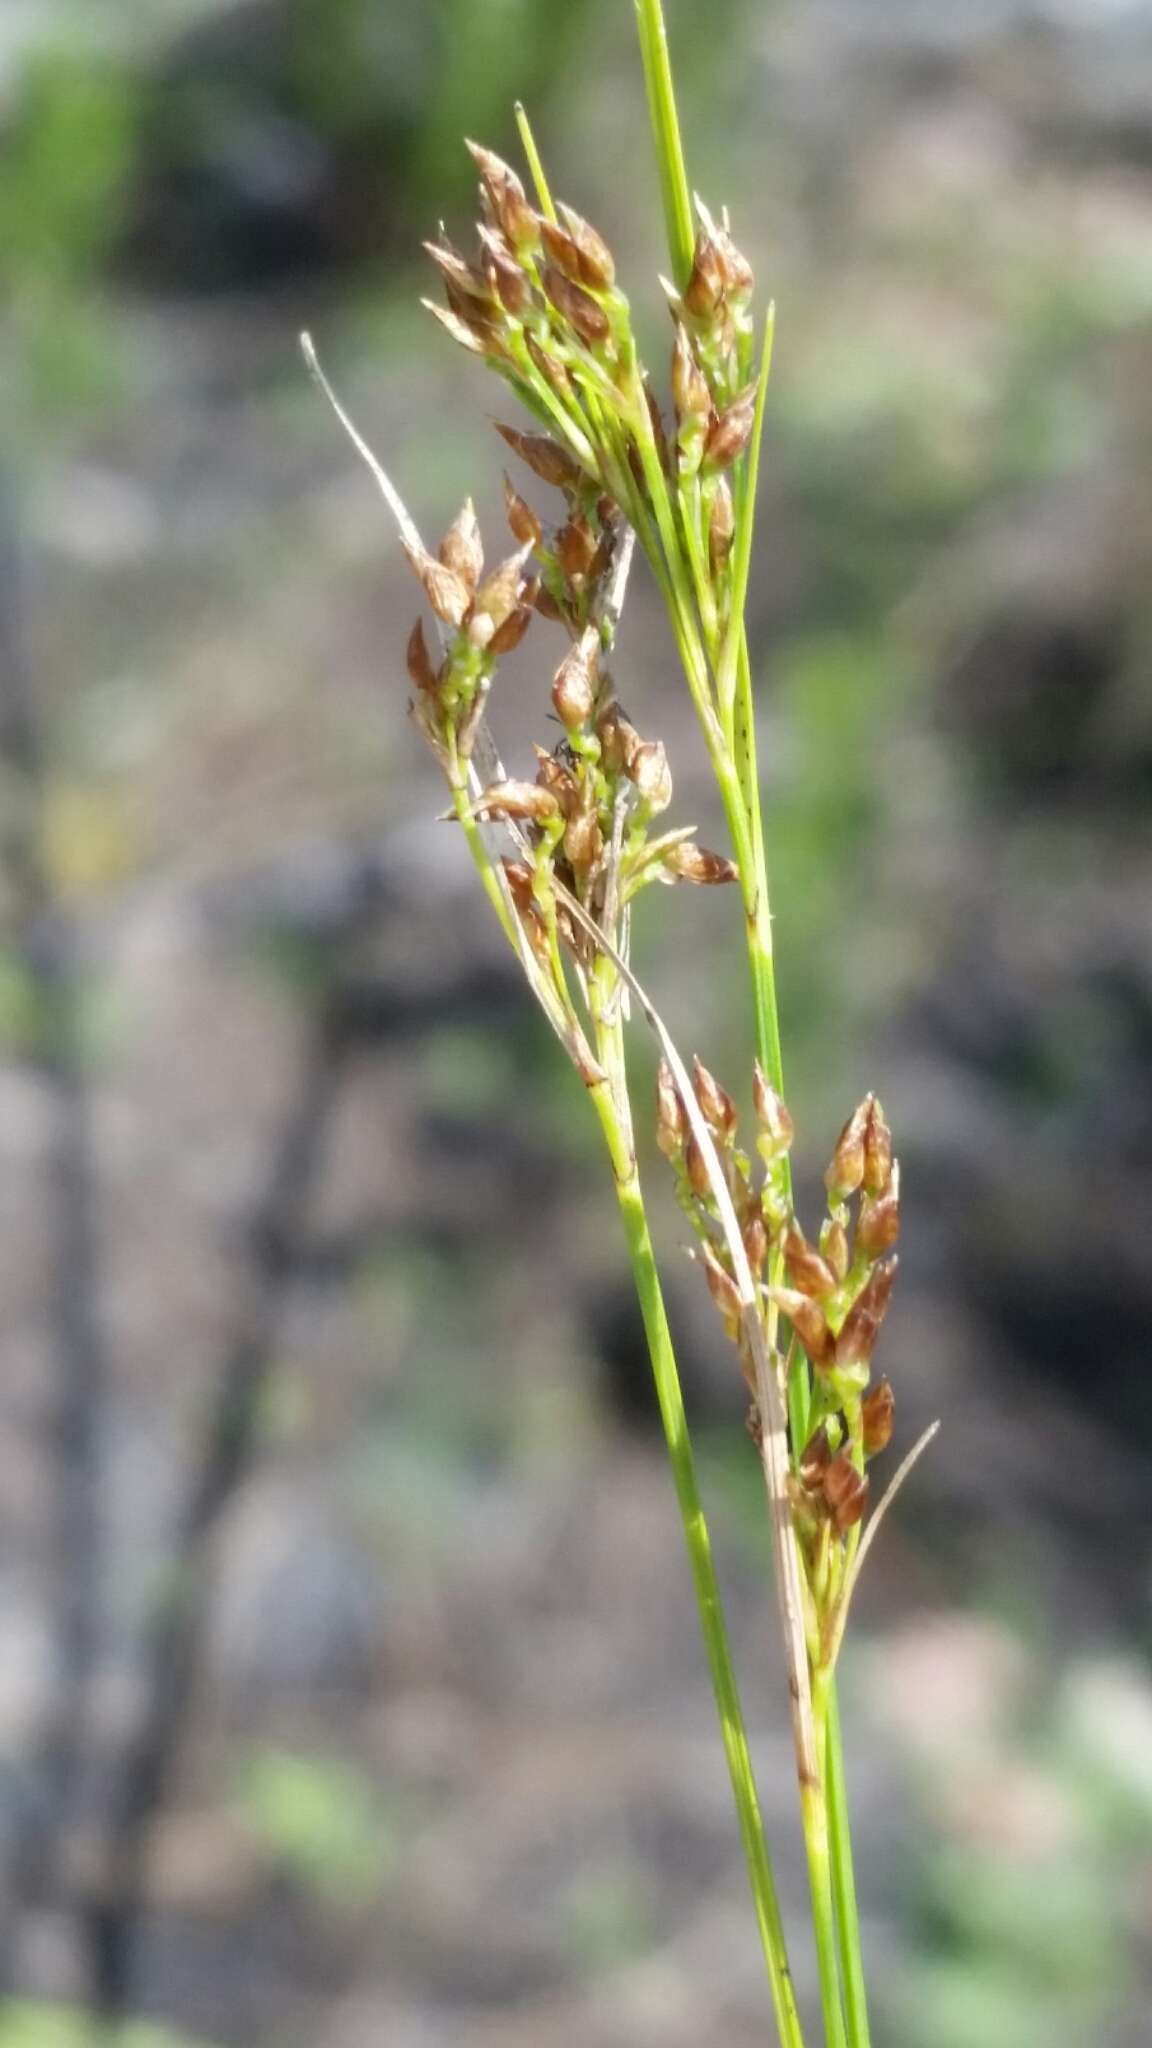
(772, 1114)
(597, 268)
(573, 303)
(861, 1327)
(877, 1412)
(721, 526)
(878, 1224)
(877, 1149)
(512, 799)
(845, 1169)
(692, 863)
(574, 684)
(468, 287)
(670, 1120)
(807, 1319)
(716, 1105)
(419, 660)
(447, 593)
(730, 433)
(507, 200)
(544, 456)
(649, 770)
(461, 548)
(846, 1492)
(804, 1265)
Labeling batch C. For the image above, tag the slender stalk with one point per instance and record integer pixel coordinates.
(610, 1099)
(666, 130)
(844, 1883)
(824, 1809)
(814, 1813)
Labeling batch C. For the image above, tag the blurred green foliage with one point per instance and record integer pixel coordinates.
(27, 2025)
(319, 1821)
(69, 151)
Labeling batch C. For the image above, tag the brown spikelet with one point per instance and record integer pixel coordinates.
(419, 661)
(730, 433)
(845, 1169)
(522, 520)
(878, 1225)
(808, 1321)
(461, 549)
(582, 313)
(722, 1288)
(846, 1492)
(716, 1105)
(478, 340)
(805, 1268)
(671, 1123)
(503, 274)
(544, 456)
(877, 1413)
(648, 769)
(447, 593)
(597, 267)
(705, 287)
(721, 526)
(573, 685)
(507, 200)
(877, 1149)
(772, 1114)
(858, 1334)
(692, 863)
(513, 799)
(511, 631)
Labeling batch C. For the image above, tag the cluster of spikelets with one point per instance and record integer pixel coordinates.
(833, 1293)
(541, 304)
(585, 820)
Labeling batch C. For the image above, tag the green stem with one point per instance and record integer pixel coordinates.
(814, 1815)
(611, 1105)
(844, 1883)
(666, 131)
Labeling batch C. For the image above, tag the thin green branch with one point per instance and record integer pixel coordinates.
(534, 161)
(666, 134)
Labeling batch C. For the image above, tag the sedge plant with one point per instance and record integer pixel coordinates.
(562, 853)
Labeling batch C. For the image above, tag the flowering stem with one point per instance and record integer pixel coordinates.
(611, 1102)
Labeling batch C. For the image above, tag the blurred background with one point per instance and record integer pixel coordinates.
(350, 1688)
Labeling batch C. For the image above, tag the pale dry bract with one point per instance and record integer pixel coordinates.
(566, 840)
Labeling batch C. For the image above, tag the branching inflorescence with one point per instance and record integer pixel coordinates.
(563, 855)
